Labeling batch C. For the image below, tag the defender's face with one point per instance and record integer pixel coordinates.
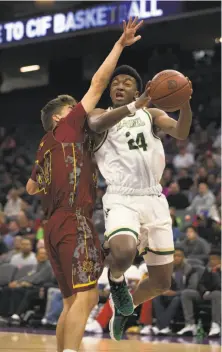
(123, 90)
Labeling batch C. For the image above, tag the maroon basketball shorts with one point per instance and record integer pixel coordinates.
(74, 252)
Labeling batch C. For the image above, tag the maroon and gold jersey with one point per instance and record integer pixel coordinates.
(64, 169)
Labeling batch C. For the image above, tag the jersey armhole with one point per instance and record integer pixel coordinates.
(151, 123)
(103, 139)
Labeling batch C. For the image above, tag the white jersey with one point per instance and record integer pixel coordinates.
(130, 157)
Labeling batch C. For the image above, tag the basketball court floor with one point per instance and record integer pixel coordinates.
(42, 341)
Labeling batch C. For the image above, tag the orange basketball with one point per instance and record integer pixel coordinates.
(169, 89)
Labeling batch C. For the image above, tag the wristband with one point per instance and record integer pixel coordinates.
(132, 107)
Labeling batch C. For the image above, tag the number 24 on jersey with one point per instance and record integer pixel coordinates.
(140, 142)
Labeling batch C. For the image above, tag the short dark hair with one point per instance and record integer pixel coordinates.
(191, 227)
(54, 106)
(180, 249)
(130, 71)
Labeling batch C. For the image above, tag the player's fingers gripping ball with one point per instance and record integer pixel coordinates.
(169, 90)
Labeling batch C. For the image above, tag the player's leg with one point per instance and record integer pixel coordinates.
(67, 292)
(77, 317)
(157, 249)
(67, 304)
(122, 228)
(123, 249)
(80, 260)
(159, 246)
(159, 281)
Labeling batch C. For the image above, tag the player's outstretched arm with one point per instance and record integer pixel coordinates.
(101, 78)
(178, 129)
(100, 120)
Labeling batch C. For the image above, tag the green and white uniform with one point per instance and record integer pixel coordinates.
(131, 158)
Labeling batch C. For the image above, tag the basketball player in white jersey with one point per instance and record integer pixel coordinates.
(131, 159)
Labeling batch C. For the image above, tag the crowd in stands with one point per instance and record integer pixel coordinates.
(192, 184)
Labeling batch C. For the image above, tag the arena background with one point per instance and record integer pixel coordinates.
(65, 42)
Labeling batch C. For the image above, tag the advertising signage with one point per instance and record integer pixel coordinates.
(100, 16)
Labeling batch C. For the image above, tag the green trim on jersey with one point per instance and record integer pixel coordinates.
(97, 147)
(151, 122)
(121, 229)
(147, 249)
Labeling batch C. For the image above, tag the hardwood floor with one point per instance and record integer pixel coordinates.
(26, 342)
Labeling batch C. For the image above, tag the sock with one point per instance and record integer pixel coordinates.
(120, 279)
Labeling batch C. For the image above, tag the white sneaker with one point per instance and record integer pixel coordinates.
(94, 328)
(44, 321)
(214, 330)
(15, 317)
(155, 330)
(165, 331)
(146, 330)
(188, 329)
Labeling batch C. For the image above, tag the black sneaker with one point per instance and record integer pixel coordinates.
(121, 297)
(117, 323)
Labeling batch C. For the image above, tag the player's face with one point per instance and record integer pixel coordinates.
(123, 90)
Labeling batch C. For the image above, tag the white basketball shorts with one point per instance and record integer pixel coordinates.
(147, 219)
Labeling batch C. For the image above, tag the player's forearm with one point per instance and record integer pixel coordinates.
(101, 123)
(184, 122)
(102, 76)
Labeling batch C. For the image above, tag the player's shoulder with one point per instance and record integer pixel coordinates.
(148, 112)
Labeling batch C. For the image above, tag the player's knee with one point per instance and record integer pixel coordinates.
(87, 299)
(124, 257)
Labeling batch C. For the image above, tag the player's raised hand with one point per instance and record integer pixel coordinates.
(129, 32)
(144, 100)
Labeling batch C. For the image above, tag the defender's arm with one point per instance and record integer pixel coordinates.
(100, 120)
(101, 78)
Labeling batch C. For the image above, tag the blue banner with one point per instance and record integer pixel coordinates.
(104, 15)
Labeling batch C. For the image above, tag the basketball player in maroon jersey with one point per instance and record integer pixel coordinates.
(65, 177)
